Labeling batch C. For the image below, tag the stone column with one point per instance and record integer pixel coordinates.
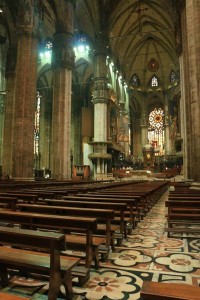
(100, 101)
(123, 136)
(185, 117)
(183, 109)
(167, 142)
(3, 52)
(136, 136)
(124, 120)
(9, 109)
(144, 121)
(144, 129)
(191, 55)
(23, 112)
(63, 62)
(45, 128)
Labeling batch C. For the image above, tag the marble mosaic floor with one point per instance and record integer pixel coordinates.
(147, 254)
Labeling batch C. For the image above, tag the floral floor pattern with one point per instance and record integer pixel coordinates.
(147, 254)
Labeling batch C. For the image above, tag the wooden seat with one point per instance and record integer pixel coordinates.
(21, 196)
(169, 291)
(7, 201)
(132, 211)
(58, 268)
(78, 242)
(183, 216)
(63, 224)
(118, 206)
(106, 215)
(91, 204)
(7, 296)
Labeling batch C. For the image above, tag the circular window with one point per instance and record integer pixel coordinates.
(153, 65)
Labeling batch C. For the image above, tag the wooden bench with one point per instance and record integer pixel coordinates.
(7, 296)
(186, 214)
(169, 291)
(129, 214)
(185, 191)
(8, 201)
(46, 192)
(185, 197)
(20, 196)
(42, 194)
(57, 223)
(142, 197)
(101, 228)
(150, 192)
(57, 267)
(100, 214)
(157, 187)
(135, 203)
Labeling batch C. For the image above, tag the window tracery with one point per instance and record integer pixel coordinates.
(156, 130)
(173, 76)
(37, 127)
(154, 81)
(153, 65)
(135, 80)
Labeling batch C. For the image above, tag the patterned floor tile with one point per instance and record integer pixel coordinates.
(146, 254)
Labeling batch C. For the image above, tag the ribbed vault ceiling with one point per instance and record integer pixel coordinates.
(137, 31)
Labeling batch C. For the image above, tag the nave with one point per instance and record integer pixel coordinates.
(146, 255)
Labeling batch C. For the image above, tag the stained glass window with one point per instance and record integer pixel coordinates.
(154, 81)
(173, 77)
(153, 65)
(49, 45)
(135, 80)
(46, 50)
(156, 130)
(37, 126)
(81, 42)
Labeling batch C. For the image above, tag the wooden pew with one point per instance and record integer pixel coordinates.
(58, 223)
(183, 196)
(57, 267)
(20, 196)
(143, 198)
(156, 188)
(135, 203)
(185, 191)
(101, 228)
(186, 214)
(42, 194)
(8, 201)
(7, 296)
(169, 291)
(107, 215)
(50, 193)
(129, 216)
(149, 191)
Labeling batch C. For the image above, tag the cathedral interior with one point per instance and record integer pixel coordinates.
(93, 93)
(88, 87)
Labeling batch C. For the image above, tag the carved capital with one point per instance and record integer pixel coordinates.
(99, 100)
(100, 92)
(29, 18)
(63, 53)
